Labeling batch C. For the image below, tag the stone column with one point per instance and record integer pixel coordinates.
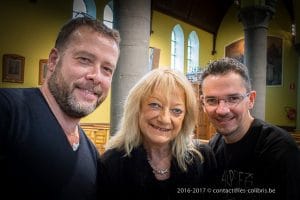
(255, 20)
(132, 18)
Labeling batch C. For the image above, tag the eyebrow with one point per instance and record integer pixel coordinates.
(85, 53)
(93, 57)
(234, 94)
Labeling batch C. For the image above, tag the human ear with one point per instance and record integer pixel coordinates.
(53, 59)
(252, 97)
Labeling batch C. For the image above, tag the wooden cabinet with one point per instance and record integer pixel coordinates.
(204, 129)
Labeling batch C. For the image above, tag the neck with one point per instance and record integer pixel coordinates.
(159, 159)
(238, 134)
(69, 124)
(158, 152)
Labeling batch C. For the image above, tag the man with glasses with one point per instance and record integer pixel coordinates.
(256, 160)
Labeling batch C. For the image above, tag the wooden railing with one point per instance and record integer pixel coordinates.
(98, 133)
(296, 136)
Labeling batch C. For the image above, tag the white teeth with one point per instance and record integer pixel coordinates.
(161, 129)
(224, 119)
(88, 91)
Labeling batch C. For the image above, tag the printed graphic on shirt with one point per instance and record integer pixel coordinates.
(235, 178)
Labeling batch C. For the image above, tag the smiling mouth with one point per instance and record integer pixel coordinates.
(88, 94)
(89, 90)
(160, 129)
(224, 120)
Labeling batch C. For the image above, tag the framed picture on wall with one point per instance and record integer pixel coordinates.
(42, 70)
(274, 61)
(274, 58)
(13, 68)
(154, 54)
(235, 50)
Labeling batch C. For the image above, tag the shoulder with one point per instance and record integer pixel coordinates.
(111, 153)
(206, 152)
(273, 140)
(17, 92)
(112, 156)
(202, 147)
(14, 96)
(216, 142)
(110, 163)
(270, 134)
(9, 95)
(19, 102)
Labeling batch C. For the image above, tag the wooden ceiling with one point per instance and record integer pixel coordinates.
(204, 14)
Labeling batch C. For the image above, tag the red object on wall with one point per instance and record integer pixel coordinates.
(290, 113)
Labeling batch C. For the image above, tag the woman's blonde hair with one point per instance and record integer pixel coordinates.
(166, 81)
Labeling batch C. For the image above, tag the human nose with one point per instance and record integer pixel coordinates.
(95, 75)
(222, 106)
(165, 116)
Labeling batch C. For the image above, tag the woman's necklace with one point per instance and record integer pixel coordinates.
(156, 171)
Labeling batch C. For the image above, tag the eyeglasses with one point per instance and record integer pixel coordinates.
(230, 101)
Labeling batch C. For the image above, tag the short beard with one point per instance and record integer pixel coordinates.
(62, 93)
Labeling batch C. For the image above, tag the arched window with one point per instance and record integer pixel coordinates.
(84, 7)
(108, 17)
(177, 49)
(193, 53)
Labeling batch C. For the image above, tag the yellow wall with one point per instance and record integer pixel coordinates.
(29, 30)
(277, 97)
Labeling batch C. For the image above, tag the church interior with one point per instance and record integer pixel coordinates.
(264, 34)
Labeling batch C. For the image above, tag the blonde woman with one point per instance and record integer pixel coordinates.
(153, 155)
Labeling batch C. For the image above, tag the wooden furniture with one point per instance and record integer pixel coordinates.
(98, 133)
(204, 129)
(296, 136)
